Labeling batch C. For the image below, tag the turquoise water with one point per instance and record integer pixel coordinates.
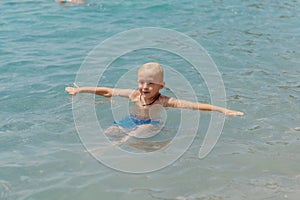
(255, 45)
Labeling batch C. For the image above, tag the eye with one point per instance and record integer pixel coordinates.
(145, 82)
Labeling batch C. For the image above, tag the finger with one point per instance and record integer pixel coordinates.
(75, 85)
(70, 90)
(67, 89)
(238, 113)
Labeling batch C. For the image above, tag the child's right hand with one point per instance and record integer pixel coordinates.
(73, 90)
(233, 112)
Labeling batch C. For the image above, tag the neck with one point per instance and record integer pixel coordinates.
(152, 102)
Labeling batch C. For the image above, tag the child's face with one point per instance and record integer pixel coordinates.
(149, 83)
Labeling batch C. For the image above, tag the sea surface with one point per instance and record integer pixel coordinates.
(256, 47)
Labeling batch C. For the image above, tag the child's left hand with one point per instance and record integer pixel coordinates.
(233, 112)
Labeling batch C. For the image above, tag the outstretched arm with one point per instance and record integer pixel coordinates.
(103, 91)
(219, 109)
(177, 103)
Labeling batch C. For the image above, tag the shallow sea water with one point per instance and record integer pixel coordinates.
(255, 45)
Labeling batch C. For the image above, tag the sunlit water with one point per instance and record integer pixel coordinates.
(255, 45)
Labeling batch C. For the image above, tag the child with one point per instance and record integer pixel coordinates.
(150, 82)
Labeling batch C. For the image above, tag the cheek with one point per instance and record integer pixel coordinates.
(140, 88)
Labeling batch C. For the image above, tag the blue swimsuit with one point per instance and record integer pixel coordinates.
(132, 121)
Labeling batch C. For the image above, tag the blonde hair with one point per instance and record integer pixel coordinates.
(155, 68)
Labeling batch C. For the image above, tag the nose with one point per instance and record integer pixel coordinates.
(145, 85)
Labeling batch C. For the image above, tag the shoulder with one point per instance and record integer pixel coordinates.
(168, 101)
(134, 95)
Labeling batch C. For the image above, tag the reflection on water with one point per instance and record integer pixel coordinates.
(149, 146)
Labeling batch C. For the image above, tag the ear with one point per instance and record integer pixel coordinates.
(162, 85)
